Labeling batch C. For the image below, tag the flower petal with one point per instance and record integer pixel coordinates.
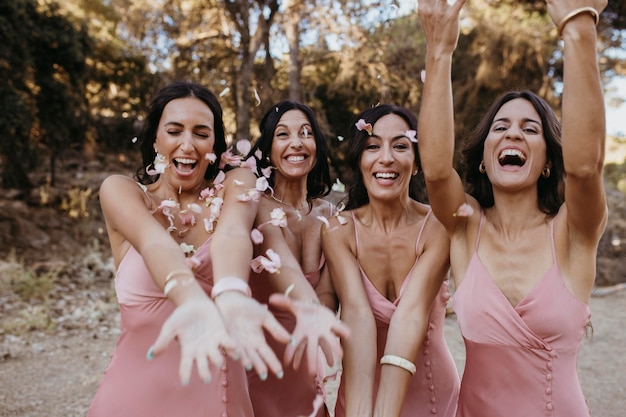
(412, 135)
(464, 210)
(363, 125)
(256, 236)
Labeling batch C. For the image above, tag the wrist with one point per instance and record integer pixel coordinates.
(230, 284)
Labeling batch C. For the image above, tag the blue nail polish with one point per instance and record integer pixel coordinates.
(280, 375)
(292, 341)
(185, 382)
(263, 376)
(249, 367)
(207, 380)
(150, 354)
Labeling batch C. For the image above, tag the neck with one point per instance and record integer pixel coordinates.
(291, 193)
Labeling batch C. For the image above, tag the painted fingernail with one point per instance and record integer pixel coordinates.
(292, 341)
(150, 354)
(249, 367)
(207, 380)
(280, 375)
(263, 376)
(185, 382)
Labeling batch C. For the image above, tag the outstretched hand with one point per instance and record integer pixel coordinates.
(316, 325)
(200, 331)
(245, 319)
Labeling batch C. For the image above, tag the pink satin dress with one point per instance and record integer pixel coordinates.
(297, 393)
(434, 389)
(521, 360)
(134, 386)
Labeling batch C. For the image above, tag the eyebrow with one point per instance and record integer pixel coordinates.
(524, 120)
(178, 124)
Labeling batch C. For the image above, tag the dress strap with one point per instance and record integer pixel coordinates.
(480, 228)
(419, 235)
(552, 240)
(356, 233)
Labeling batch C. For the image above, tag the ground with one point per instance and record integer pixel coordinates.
(59, 320)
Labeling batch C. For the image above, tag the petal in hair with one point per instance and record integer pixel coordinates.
(363, 125)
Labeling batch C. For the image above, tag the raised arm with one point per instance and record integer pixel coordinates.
(440, 23)
(359, 359)
(409, 323)
(583, 118)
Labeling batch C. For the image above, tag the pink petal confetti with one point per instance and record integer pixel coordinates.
(278, 217)
(258, 154)
(423, 76)
(412, 135)
(219, 178)
(250, 163)
(257, 98)
(262, 184)
(225, 91)
(267, 171)
(256, 236)
(211, 157)
(271, 263)
(323, 220)
(363, 125)
(465, 210)
(289, 289)
(243, 146)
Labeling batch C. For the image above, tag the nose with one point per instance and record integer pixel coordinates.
(514, 132)
(386, 154)
(186, 142)
(296, 142)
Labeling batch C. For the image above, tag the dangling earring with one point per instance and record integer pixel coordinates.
(267, 159)
(481, 167)
(414, 173)
(546, 172)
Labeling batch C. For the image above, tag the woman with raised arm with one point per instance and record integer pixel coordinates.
(179, 234)
(388, 258)
(524, 237)
(291, 153)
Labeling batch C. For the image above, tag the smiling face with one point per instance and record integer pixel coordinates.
(388, 159)
(515, 148)
(293, 146)
(185, 135)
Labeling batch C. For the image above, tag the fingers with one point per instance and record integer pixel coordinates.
(274, 328)
(166, 335)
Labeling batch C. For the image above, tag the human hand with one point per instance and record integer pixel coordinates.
(245, 319)
(440, 23)
(316, 325)
(559, 10)
(200, 331)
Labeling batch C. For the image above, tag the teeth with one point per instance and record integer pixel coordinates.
(186, 161)
(295, 158)
(512, 152)
(386, 175)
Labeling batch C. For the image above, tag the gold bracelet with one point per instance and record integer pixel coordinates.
(573, 14)
(398, 361)
(171, 282)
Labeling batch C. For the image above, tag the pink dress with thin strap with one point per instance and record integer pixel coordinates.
(134, 386)
(297, 393)
(521, 361)
(434, 389)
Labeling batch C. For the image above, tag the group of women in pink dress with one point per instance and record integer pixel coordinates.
(238, 283)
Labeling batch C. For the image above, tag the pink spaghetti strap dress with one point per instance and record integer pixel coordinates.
(297, 393)
(134, 386)
(434, 389)
(521, 360)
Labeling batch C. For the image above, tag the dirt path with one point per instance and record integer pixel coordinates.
(57, 376)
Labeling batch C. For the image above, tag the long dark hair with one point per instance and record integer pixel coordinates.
(147, 137)
(550, 191)
(357, 193)
(318, 180)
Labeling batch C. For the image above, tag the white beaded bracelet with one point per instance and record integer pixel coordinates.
(399, 362)
(230, 284)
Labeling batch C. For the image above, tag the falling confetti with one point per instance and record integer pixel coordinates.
(256, 96)
(225, 91)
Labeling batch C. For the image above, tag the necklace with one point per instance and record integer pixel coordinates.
(296, 209)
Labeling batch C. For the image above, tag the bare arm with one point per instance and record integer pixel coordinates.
(583, 122)
(231, 254)
(410, 320)
(440, 23)
(359, 363)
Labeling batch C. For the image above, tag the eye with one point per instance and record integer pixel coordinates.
(371, 146)
(401, 146)
(174, 132)
(531, 129)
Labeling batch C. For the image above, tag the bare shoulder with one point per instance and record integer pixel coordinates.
(244, 175)
(119, 186)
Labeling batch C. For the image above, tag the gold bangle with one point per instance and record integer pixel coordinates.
(398, 361)
(573, 14)
(171, 282)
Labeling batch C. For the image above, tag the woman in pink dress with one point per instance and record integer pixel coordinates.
(181, 233)
(293, 148)
(524, 237)
(388, 259)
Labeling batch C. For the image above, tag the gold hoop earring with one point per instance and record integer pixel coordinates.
(414, 173)
(481, 167)
(546, 172)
